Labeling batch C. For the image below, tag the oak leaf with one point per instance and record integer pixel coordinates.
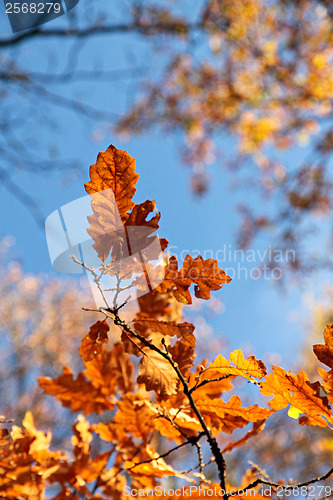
(77, 394)
(139, 245)
(134, 416)
(143, 323)
(39, 448)
(92, 343)
(160, 305)
(297, 391)
(110, 370)
(230, 415)
(141, 240)
(214, 388)
(248, 368)
(156, 373)
(205, 275)
(174, 424)
(112, 187)
(183, 353)
(324, 352)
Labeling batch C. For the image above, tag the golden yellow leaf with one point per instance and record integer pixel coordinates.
(248, 368)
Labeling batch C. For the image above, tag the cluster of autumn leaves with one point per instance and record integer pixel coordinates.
(163, 395)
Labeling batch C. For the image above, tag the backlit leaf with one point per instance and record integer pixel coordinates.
(112, 186)
(297, 391)
(230, 415)
(92, 343)
(325, 352)
(205, 275)
(157, 374)
(237, 365)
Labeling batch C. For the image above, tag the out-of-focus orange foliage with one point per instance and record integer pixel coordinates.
(262, 74)
(41, 324)
(165, 401)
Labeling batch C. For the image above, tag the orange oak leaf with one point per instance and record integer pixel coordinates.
(110, 370)
(131, 344)
(324, 352)
(92, 343)
(112, 187)
(168, 430)
(140, 241)
(39, 448)
(214, 388)
(143, 323)
(297, 391)
(156, 373)
(139, 214)
(230, 415)
(86, 469)
(81, 439)
(174, 424)
(77, 394)
(134, 416)
(158, 305)
(328, 386)
(26, 461)
(237, 365)
(183, 353)
(204, 274)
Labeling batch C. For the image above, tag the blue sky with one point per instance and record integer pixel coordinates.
(257, 313)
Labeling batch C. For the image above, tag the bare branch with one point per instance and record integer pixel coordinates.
(279, 485)
(171, 28)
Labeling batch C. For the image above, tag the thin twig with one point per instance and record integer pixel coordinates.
(210, 438)
(191, 441)
(278, 485)
(207, 381)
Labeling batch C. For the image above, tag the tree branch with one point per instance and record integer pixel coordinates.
(191, 441)
(278, 485)
(220, 462)
(171, 28)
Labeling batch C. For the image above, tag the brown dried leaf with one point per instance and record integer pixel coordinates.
(157, 374)
(91, 345)
(325, 352)
(183, 353)
(114, 170)
(142, 324)
(204, 274)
